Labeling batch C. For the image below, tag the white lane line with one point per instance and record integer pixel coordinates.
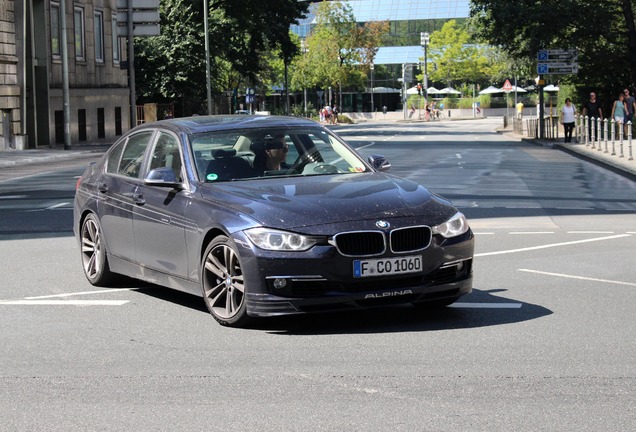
(551, 245)
(530, 232)
(486, 305)
(64, 204)
(578, 277)
(484, 233)
(590, 232)
(365, 146)
(106, 291)
(64, 302)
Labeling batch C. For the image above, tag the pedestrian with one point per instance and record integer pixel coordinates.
(568, 114)
(630, 104)
(592, 110)
(619, 110)
(519, 109)
(335, 114)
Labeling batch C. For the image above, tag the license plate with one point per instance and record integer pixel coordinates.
(387, 266)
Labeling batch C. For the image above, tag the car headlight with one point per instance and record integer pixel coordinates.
(276, 240)
(453, 227)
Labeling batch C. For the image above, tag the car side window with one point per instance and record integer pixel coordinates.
(133, 155)
(166, 154)
(114, 156)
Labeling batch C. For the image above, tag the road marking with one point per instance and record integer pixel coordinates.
(551, 245)
(486, 305)
(64, 302)
(64, 204)
(106, 291)
(484, 233)
(578, 277)
(590, 232)
(531, 232)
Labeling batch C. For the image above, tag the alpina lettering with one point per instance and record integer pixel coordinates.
(389, 294)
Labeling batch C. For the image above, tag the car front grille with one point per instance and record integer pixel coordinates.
(370, 243)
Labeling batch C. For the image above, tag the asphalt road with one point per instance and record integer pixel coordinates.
(545, 341)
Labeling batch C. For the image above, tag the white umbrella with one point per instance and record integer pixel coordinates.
(385, 90)
(432, 90)
(519, 90)
(491, 90)
(412, 90)
(449, 90)
(551, 88)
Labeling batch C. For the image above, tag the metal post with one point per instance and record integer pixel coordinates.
(372, 71)
(131, 67)
(208, 78)
(424, 39)
(65, 84)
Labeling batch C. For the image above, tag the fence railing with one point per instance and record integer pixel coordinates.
(605, 135)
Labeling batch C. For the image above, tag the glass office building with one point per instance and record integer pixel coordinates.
(407, 19)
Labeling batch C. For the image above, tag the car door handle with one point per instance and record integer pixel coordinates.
(103, 188)
(139, 199)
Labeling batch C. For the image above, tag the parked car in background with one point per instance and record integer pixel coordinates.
(266, 216)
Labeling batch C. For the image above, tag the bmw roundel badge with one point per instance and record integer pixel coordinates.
(382, 224)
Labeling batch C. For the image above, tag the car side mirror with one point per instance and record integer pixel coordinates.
(162, 177)
(379, 162)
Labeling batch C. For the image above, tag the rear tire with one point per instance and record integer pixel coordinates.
(94, 254)
(224, 290)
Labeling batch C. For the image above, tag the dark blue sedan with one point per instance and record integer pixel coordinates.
(265, 216)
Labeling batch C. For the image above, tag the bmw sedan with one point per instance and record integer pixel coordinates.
(264, 216)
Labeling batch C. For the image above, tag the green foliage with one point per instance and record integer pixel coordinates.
(242, 35)
(604, 33)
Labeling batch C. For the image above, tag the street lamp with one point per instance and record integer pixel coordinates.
(424, 39)
(304, 49)
(372, 108)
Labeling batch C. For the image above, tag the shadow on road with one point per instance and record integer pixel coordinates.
(388, 319)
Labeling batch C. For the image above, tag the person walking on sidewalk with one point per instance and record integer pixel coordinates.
(568, 113)
(630, 105)
(619, 111)
(592, 109)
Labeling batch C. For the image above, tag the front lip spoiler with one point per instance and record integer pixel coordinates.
(268, 305)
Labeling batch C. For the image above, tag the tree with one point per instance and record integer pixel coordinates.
(340, 51)
(604, 34)
(455, 58)
(242, 33)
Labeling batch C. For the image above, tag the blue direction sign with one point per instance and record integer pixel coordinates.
(558, 55)
(557, 68)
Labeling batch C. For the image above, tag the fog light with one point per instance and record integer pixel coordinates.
(460, 266)
(280, 283)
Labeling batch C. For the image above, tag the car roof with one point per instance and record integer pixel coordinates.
(198, 124)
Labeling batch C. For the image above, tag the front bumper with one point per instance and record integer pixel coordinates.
(321, 280)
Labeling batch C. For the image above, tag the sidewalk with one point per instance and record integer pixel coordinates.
(9, 158)
(609, 159)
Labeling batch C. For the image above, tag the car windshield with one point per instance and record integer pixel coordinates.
(248, 154)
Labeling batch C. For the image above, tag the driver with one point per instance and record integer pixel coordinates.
(270, 154)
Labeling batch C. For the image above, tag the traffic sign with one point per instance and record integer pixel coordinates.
(507, 86)
(557, 68)
(558, 55)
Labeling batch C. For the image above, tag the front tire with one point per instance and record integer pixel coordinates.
(94, 256)
(222, 282)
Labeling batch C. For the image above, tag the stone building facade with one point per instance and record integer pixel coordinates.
(31, 72)
(10, 93)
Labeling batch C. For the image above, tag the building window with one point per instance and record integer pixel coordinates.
(80, 43)
(116, 47)
(81, 124)
(101, 124)
(56, 36)
(99, 36)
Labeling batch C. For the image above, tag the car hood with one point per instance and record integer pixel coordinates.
(318, 200)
